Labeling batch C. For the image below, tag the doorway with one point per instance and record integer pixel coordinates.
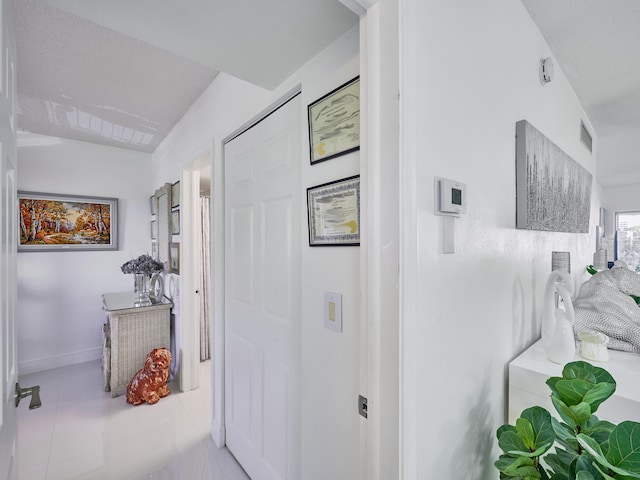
(196, 274)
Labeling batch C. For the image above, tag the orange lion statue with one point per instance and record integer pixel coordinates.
(150, 383)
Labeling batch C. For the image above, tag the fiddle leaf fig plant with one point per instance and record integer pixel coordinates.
(585, 447)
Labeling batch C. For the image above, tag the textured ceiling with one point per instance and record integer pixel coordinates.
(597, 44)
(80, 80)
(123, 73)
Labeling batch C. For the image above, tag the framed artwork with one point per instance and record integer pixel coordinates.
(174, 258)
(53, 222)
(553, 191)
(334, 213)
(154, 230)
(175, 222)
(175, 195)
(152, 204)
(334, 122)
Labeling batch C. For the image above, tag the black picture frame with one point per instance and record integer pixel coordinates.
(175, 222)
(334, 122)
(175, 194)
(333, 213)
(174, 258)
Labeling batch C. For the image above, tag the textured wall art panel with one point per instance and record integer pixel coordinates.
(553, 191)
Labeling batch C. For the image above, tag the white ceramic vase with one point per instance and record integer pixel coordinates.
(558, 337)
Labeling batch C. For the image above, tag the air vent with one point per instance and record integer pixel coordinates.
(585, 136)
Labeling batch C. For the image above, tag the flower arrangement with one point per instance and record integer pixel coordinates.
(143, 264)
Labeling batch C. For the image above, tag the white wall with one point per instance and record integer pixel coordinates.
(614, 149)
(59, 311)
(330, 369)
(470, 73)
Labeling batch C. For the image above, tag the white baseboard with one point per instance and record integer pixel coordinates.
(42, 364)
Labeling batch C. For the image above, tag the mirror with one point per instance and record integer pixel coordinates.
(163, 209)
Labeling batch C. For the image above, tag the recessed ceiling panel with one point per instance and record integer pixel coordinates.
(80, 80)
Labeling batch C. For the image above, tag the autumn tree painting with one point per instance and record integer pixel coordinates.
(45, 221)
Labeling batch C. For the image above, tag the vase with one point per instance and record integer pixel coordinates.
(558, 337)
(141, 287)
(156, 287)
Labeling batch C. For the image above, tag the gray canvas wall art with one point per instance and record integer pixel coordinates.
(553, 191)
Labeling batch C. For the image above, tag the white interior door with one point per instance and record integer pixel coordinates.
(8, 241)
(262, 295)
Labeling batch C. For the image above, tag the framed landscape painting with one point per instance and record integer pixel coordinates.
(53, 222)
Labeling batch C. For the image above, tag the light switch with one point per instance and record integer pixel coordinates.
(333, 311)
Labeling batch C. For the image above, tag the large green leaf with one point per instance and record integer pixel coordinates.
(551, 382)
(565, 436)
(572, 392)
(574, 414)
(557, 464)
(525, 432)
(604, 474)
(540, 420)
(586, 371)
(510, 441)
(564, 411)
(517, 467)
(585, 463)
(504, 428)
(592, 447)
(598, 394)
(599, 430)
(624, 447)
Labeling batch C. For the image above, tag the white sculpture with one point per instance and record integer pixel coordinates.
(557, 324)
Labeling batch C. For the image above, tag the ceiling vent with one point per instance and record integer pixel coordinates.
(585, 137)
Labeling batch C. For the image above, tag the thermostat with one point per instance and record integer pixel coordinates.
(451, 197)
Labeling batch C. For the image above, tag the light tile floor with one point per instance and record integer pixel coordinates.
(81, 433)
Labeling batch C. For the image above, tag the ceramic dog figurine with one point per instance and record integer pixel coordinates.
(150, 383)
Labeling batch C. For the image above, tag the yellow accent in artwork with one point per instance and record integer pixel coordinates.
(353, 226)
(321, 150)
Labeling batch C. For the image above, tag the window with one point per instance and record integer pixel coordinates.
(628, 239)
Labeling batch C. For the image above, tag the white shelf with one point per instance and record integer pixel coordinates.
(529, 372)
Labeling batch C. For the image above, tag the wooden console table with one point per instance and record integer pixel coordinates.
(130, 333)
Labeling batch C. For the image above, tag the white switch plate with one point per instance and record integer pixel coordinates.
(333, 311)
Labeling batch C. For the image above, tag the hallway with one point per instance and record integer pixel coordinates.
(81, 433)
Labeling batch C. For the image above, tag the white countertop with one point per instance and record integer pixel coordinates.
(126, 300)
(624, 367)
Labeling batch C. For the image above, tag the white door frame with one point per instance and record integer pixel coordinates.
(380, 320)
